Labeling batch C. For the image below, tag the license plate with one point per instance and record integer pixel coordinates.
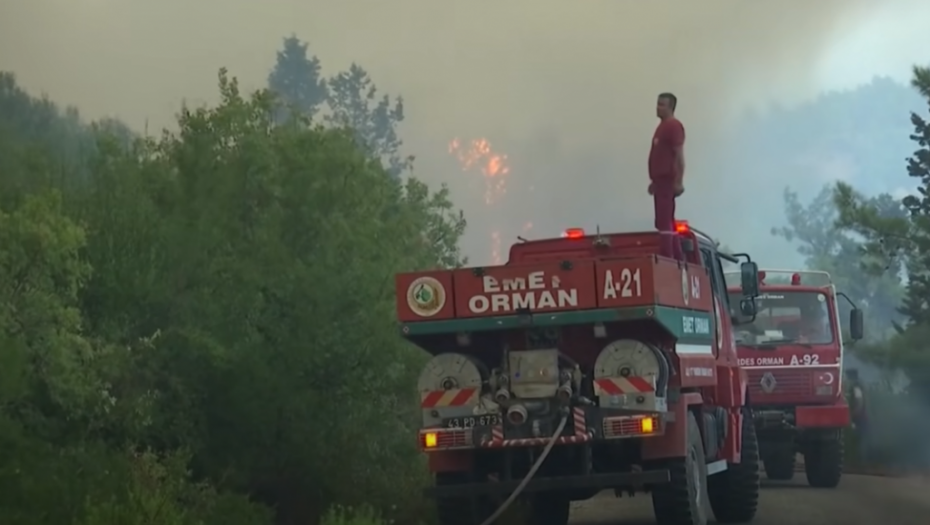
(472, 421)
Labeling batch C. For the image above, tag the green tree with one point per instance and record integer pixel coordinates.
(903, 241)
(351, 97)
(871, 282)
(65, 423)
(262, 255)
(222, 298)
(355, 104)
(296, 80)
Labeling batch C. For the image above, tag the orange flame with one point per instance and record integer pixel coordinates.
(478, 155)
(492, 166)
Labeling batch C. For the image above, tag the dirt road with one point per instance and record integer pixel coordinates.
(859, 500)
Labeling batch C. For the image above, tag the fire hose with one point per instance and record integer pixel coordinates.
(529, 475)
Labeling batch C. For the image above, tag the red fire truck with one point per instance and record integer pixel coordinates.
(793, 353)
(584, 363)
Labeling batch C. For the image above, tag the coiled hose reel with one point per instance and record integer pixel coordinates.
(634, 358)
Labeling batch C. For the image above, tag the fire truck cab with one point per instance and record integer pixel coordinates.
(792, 350)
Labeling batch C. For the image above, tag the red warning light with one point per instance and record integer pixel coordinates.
(682, 227)
(574, 233)
(795, 279)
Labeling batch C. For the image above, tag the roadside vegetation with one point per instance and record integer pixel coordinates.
(199, 328)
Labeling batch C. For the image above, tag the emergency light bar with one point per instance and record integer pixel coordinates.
(795, 278)
(792, 277)
(577, 233)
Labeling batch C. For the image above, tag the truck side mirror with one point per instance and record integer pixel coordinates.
(747, 307)
(749, 280)
(856, 324)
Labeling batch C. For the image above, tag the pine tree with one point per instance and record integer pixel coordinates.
(296, 80)
(903, 241)
(916, 304)
(355, 104)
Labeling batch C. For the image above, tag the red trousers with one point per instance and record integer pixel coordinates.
(663, 197)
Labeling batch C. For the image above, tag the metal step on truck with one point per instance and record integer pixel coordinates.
(792, 350)
(586, 362)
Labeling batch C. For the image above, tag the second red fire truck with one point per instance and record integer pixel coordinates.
(793, 353)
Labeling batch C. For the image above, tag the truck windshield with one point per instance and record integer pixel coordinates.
(787, 317)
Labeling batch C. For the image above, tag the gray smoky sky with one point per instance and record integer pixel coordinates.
(565, 89)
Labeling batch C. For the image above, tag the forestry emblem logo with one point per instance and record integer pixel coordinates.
(426, 296)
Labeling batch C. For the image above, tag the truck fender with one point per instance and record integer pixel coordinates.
(673, 443)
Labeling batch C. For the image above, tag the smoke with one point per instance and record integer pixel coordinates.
(565, 89)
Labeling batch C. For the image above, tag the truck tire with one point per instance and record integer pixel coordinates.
(549, 509)
(684, 500)
(823, 462)
(734, 493)
(461, 511)
(779, 464)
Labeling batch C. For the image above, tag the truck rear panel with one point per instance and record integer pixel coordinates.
(543, 287)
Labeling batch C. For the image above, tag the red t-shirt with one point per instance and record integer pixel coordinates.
(669, 136)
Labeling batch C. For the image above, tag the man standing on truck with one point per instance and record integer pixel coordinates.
(667, 171)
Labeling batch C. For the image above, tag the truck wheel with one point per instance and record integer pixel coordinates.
(461, 511)
(779, 464)
(683, 500)
(734, 493)
(549, 509)
(823, 462)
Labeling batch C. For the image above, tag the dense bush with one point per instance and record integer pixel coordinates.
(199, 329)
